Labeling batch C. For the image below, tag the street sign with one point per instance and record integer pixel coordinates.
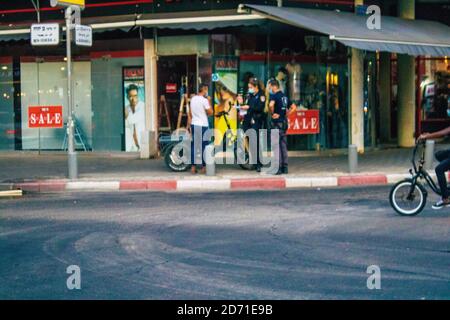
(55, 3)
(45, 34)
(304, 122)
(83, 35)
(45, 117)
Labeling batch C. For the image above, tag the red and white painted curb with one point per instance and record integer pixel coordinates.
(208, 184)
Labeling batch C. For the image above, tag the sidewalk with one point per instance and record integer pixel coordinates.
(47, 172)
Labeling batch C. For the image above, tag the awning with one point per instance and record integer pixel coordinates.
(190, 21)
(413, 37)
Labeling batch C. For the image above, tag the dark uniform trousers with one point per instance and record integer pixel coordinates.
(280, 144)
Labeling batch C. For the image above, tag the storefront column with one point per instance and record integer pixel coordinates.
(150, 148)
(357, 99)
(385, 96)
(357, 96)
(406, 86)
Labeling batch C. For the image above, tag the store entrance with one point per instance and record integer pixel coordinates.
(177, 81)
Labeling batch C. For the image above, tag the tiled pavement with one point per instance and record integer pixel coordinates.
(22, 166)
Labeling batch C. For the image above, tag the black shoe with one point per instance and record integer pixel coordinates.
(284, 170)
(258, 169)
(279, 172)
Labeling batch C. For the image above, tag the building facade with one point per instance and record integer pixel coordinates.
(148, 57)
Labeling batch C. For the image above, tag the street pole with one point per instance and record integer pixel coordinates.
(72, 155)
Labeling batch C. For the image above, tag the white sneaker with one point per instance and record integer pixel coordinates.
(440, 204)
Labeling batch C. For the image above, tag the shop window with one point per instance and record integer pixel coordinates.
(44, 83)
(7, 92)
(435, 89)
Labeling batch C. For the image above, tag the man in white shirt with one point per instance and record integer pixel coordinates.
(198, 124)
(134, 119)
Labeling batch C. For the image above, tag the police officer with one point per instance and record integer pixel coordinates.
(254, 117)
(280, 107)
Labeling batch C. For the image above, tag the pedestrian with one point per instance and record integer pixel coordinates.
(254, 115)
(198, 124)
(280, 107)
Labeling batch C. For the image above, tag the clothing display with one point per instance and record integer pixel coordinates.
(294, 70)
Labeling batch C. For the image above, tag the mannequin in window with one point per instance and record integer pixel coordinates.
(294, 70)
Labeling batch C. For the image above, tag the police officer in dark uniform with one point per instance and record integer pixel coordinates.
(280, 108)
(254, 117)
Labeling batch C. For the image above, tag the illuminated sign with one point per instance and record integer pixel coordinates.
(55, 3)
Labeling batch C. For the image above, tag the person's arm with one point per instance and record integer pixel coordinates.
(271, 106)
(435, 135)
(243, 106)
(208, 108)
(292, 109)
(189, 120)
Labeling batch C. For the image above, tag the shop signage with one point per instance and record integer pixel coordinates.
(83, 35)
(226, 63)
(45, 34)
(171, 88)
(304, 122)
(45, 117)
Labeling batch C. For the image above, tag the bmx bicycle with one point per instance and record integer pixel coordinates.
(409, 196)
(234, 139)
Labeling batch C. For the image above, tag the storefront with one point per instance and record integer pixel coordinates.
(105, 74)
(139, 75)
(432, 94)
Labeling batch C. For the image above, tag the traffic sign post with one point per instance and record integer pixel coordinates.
(48, 34)
(72, 16)
(44, 34)
(72, 155)
(83, 35)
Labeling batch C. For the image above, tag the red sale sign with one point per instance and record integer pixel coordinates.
(45, 117)
(304, 122)
(171, 88)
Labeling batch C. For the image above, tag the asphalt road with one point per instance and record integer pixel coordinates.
(297, 244)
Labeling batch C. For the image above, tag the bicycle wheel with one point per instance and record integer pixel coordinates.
(405, 202)
(175, 159)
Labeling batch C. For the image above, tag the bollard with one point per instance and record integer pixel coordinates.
(210, 160)
(429, 154)
(352, 158)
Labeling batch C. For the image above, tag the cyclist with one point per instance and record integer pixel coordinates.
(443, 157)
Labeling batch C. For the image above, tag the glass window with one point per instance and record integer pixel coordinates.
(7, 129)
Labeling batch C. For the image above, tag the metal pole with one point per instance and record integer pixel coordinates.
(352, 158)
(72, 156)
(210, 160)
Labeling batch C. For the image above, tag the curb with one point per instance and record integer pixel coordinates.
(206, 184)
